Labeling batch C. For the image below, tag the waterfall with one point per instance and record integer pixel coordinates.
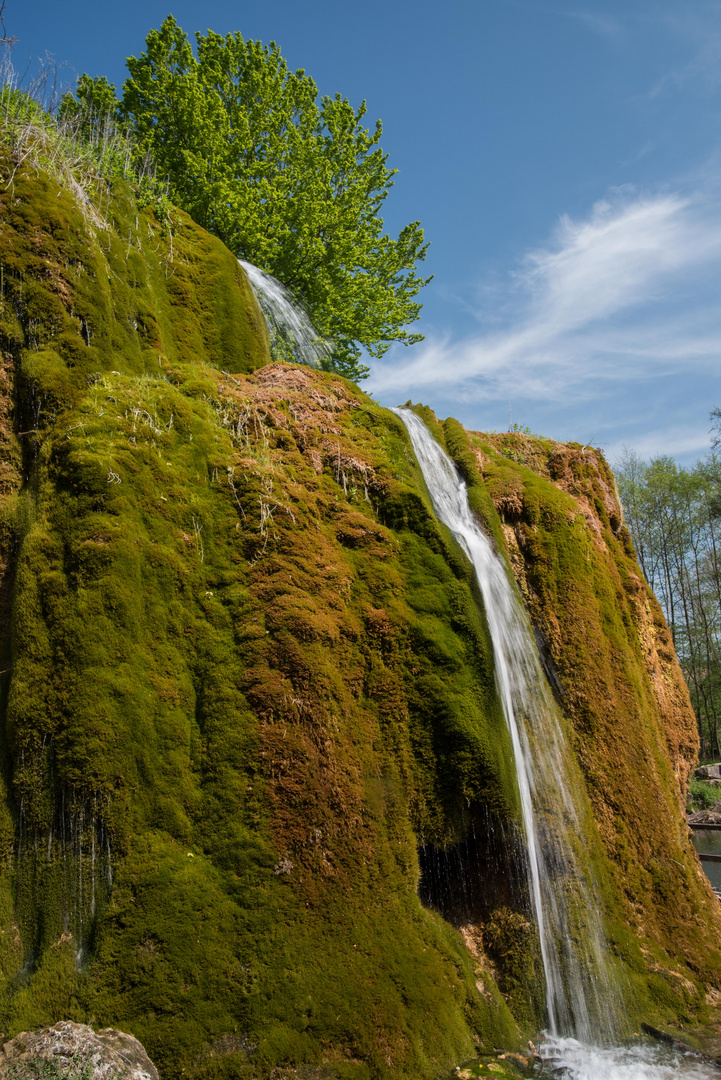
(292, 335)
(581, 999)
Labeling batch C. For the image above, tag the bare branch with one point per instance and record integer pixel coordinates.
(715, 432)
(5, 40)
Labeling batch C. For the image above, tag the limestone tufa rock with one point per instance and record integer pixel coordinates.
(75, 1050)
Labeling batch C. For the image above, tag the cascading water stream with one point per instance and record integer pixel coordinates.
(292, 335)
(583, 1003)
(581, 999)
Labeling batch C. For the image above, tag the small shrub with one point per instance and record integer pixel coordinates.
(703, 795)
(74, 1067)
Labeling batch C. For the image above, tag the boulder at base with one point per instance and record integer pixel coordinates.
(75, 1049)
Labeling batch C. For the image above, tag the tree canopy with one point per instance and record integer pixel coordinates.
(289, 182)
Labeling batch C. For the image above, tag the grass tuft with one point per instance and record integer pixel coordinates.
(83, 150)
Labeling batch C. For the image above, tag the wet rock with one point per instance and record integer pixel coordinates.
(73, 1050)
(696, 1047)
(506, 1066)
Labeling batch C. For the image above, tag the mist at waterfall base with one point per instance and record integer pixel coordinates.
(292, 335)
(584, 1002)
(637, 1061)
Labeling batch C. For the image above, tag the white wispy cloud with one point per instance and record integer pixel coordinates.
(697, 30)
(623, 295)
(597, 22)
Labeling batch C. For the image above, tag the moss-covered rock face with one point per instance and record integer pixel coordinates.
(243, 670)
(611, 661)
(258, 804)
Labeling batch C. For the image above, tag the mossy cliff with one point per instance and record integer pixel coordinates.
(246, 677)
(611, 662)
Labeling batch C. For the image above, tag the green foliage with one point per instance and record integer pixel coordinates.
(702, 794)
(292, 185)
(18, 107)
(74, 1067)
(95, 103)
(672, 514)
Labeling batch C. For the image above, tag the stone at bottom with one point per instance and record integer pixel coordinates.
(67, 1049)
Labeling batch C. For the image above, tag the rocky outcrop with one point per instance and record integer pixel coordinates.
(612, 663)
(70, 1050)
(257, 796)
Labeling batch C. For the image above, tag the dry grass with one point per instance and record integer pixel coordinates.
(81, 151)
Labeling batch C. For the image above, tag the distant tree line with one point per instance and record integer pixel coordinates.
(674, 516)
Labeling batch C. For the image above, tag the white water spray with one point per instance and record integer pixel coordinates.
(573, 1060)
(292, 335)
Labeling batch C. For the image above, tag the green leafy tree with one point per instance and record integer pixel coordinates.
(93, 105)
(673, 516)
(292, 184)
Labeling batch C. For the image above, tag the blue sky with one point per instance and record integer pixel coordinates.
(565, 162)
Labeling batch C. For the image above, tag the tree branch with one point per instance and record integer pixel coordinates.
(5, 40)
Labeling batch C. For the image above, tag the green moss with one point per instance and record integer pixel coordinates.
(606, 643)
(246, 672)
(247, 668)
(512, 943)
